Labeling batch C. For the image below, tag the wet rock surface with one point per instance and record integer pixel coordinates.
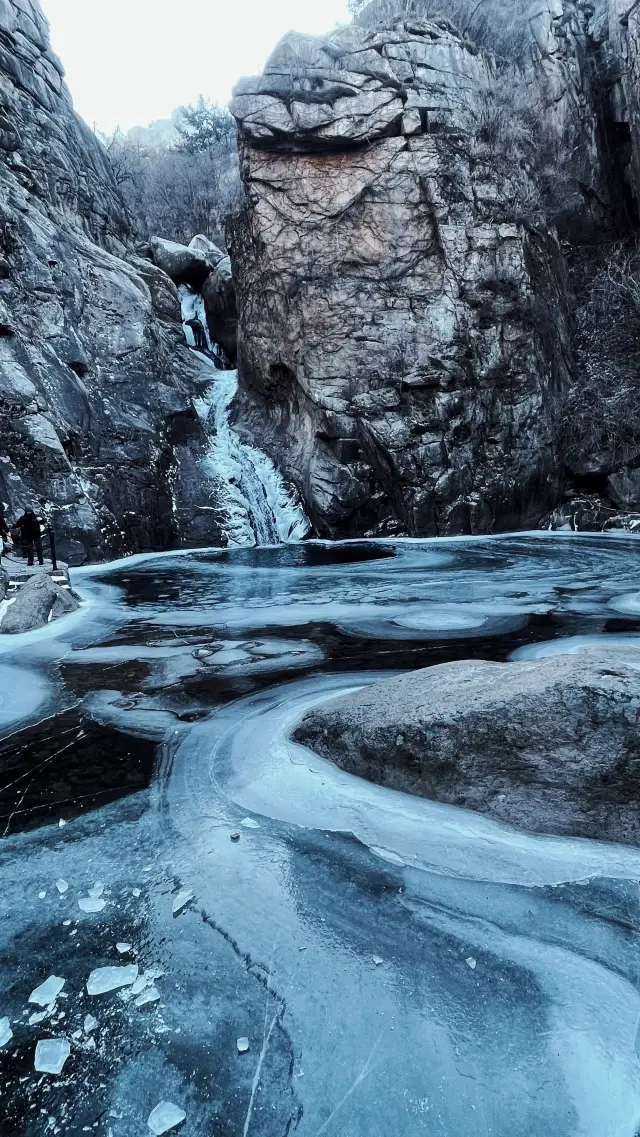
(551, 745)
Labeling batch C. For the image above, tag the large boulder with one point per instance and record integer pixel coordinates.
(38, 602)
(219, 295)
(402, 333)
(552, 745)
(4, 581)
(186, 264)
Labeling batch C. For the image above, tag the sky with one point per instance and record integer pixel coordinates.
(129, 62)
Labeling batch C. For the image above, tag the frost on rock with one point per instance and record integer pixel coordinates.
(90, 1023)
(150, 996)
(6, 1033)
(51, 1055)
(47, 992)
(184, 897)
(62, 886)
(105, 979)
(164, 1117)
(89, 904)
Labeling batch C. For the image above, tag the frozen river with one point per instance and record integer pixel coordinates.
(397, 966)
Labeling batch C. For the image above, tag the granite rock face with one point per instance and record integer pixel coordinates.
(95, 378)
(551, 746)
(402, 336)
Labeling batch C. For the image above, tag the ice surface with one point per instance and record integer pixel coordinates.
(105, 979)
(88, 904)
(164, 1117)
(51, 1055)
(184, 897)
(90, 1024)
(6, 1033)
(150, 996)
(62, 886)
(22, 692)
(47, 992)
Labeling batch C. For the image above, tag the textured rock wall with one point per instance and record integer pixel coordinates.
(402, 334)
(96, 386)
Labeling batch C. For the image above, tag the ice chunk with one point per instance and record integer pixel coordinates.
(105, 979)
(51, 1055)
(61, 823)
(136, 892)
(243, 1045)
(124, 949)
(62, 886)
(90, 1024)
(471, 962)
(164, 1117)
(377, 959)
(184, 897)
(150, 996)
(41, 895)
(6, 1033)
(88, 904)
(47, 992)
(249, 823)
(96, 892)
(37, 1017)
(140, 984)
(66, 923)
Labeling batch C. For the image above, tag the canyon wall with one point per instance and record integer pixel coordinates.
(403, 339)
(96, 382)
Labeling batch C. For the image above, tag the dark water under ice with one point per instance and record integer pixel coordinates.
(398, 966)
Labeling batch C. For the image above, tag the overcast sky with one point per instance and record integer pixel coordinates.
(129, 62)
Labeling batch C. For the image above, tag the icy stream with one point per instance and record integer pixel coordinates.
(393, 965)
(260, 509)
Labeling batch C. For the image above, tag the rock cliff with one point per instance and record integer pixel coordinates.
(402, 328)
(96, 382)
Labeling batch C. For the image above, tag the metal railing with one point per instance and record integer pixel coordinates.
(47, 537)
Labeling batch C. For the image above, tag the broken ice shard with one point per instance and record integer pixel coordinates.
(105, 979)
(51, 1055)
(47, 992)
(249, 823)
(184, 897)
(243, 1045)
(147, 997)
(124, 949)
(164, 1117)
(90, 1024)
(96, 892)
(62, 886)
(89, 904)
(6, 1033)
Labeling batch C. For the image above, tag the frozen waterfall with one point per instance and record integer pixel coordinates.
(260, 508)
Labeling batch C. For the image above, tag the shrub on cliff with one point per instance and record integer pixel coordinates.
(492, 24)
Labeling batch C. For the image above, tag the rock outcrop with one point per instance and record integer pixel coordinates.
(402, 330)
(205, 269)
(551, 746)
(96, 382)
(36, 604)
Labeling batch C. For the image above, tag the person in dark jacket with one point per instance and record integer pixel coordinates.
(31, 535)
(4, 530)
(199, 334)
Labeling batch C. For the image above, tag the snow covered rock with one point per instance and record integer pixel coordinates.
(551, 745)
(185, 264)
(37, 602)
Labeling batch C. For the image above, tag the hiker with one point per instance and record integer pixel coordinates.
(199, 333)
(30, 535)
(4, 531)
